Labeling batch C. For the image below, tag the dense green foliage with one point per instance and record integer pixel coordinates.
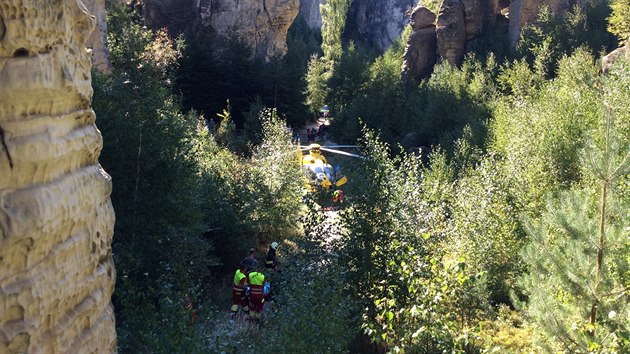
(149, 150)
(316, 88)
(218, 68)
(557, 35)
(619, 21)
(181, 208)
(321, 69)
(418, 297)
(334, 13)
(450, 105)
(507, 233)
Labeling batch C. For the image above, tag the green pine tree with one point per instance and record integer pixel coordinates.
(316, 80)
(334, 14)
(578, 259)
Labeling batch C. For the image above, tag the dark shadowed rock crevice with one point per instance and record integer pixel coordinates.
(178, 16)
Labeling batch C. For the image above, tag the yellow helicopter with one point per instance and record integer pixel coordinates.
(318, 174)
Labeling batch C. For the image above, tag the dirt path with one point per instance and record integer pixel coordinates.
(227, 335)
(321, 138)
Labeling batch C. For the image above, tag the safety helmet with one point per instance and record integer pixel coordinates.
(274, 245)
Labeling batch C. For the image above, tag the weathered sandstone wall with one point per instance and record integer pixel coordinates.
(56, 217)
(459, 24)
(263, 24)
(98, 39)
(379, 22)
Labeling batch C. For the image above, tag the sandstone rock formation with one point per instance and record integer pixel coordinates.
(467, 18)
(420, 53)
(98, 39)
(451, 31)
(378, 22)
(375, 21)
(473, 18)
(309, 10)
(609, 60)
(263, 24)
(56, 217)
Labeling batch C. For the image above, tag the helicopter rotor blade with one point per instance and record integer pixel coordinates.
(340, 146)
(342, 153)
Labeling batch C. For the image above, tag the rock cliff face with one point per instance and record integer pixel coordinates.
(617, 54)
(309, 9)
(379, 21)
(451, 31)
(461, 22)
(261, 23)
(56, 218)
(98, 39)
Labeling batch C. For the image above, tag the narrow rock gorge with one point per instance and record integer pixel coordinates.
(56, 217)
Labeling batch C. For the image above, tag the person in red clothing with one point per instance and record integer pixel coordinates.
(239, 299)
(337, 196)
(190, 307)
(256, 281)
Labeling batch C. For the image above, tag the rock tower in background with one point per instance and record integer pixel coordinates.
(56, 217)
(420, 53)
(263, 24)
(459, 24)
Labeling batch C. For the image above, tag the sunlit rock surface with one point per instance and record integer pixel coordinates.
(98, 39)
(56, 217)
(263, 24)
(609, 60)
(379, 22)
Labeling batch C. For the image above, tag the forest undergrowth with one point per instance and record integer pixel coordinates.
(489, 215)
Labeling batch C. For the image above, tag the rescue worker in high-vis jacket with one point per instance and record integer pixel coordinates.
(256, 281)
(337, 196)
(271, 262)
(239, 299)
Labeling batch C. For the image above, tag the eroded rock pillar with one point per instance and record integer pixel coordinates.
(56, 217)
(421, 50)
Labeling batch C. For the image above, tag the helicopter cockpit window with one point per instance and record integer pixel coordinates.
(328, 170)
(317, 169)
